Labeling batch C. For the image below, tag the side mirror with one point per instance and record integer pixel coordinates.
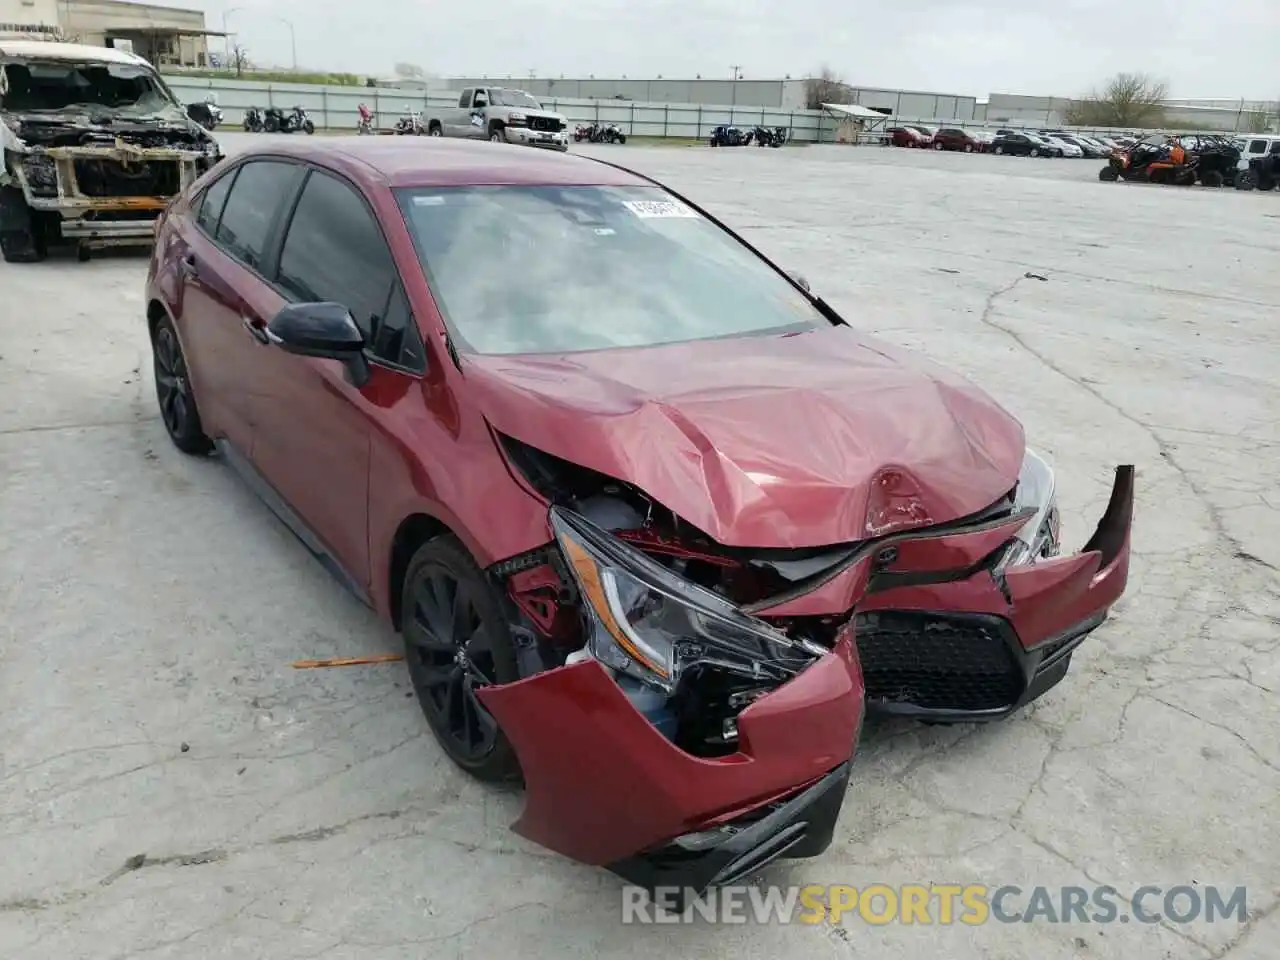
(799, 280)
(324, 330)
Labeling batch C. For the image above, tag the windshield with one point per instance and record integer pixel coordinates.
(514, 98)
(567, 269)
(52, 85)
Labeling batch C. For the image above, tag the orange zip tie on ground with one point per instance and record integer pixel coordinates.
(348, 661)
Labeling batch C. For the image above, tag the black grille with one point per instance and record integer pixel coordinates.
(937, 662)
(545, 124)
(111, 178)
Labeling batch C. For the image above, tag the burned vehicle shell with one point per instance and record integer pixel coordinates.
(95, 146)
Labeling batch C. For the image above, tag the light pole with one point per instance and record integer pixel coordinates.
(226, 35)
(737, 74)
(293, 41)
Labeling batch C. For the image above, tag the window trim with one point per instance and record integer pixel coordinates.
(198, 201)
(286, 221)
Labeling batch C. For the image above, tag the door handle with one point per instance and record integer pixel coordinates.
(188, 266)
(257, 329)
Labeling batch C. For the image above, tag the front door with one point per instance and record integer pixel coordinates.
(313, 431)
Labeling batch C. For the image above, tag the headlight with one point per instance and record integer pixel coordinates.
(1038, 537)
(516, 116)
(650, 624)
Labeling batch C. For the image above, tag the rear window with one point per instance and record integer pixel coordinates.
(566, 269)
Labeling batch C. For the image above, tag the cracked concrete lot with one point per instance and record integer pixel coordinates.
(170, 788)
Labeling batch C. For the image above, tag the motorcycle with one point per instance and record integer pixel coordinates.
(609, 133)
(253, 120)
(410, 125)
(207, 113)
(276, 120)
(364, 125)
(584, 131)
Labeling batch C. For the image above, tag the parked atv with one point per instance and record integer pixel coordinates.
(253, 120)
(1174, 160)
(1263, 174)
(610, 133)
(767, 137)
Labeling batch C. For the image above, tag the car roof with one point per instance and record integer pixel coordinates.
(71, 52)
(436, 162)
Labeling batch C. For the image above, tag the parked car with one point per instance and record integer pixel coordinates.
(1087, 148)
(663, 647)
(954, 138)
(1255, 146)
(93, 145)
(985, 137)
(1042, 146)
(1015, 144)
(926, 132)
(1263, 173)
(501, 115)
(906, 137)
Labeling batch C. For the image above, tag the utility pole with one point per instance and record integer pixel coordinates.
(737, 75)
(293, 41)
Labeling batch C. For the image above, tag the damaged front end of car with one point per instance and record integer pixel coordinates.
(98, 170)
(692, 709)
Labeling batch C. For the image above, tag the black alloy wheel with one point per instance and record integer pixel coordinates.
(456, 642)
(177, 404)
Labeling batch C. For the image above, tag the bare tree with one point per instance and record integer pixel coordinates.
(409, 71)
(1126, 100)
(240, 59)
(826, 87)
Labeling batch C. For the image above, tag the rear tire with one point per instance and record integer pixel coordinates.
(968, 148)
(1212, 178)
(1035, 151)
(271, 125)
(999, 151)
(177, 402)
(443, 586)
(1266, 184)
(1244, 180)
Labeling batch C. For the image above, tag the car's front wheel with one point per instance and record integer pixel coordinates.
(457, 639)
(177, 403)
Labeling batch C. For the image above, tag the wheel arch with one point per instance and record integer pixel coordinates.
(413, 531)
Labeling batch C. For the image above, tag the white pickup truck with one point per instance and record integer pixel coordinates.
(502, 115)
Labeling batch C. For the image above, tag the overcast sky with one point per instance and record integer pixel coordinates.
(1204, 48)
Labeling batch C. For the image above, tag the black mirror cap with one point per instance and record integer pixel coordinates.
(317, 330)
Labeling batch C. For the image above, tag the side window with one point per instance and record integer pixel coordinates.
(253, 207)
(1258, 146)
(212, 200)
(1275, 147)
(465, 99)
(335, 251)
(481, 99)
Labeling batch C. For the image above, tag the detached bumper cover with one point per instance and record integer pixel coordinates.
(605, 788)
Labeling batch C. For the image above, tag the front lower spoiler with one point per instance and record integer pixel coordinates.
(604, 787)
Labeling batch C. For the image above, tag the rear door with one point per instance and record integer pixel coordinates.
(224, 291)
(314, 427)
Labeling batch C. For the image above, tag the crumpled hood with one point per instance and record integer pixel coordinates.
(767, 441)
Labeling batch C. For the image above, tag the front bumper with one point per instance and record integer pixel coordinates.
(604, 787)
(112, 219)
(943, 634)
(537, 138)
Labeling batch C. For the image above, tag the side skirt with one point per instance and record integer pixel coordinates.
(296, 525)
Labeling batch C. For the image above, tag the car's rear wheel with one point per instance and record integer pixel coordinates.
(999, 151)
(177, 403)
(1035, 151)
(457, 639)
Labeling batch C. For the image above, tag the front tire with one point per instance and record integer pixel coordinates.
(1212, 179)
(271, 125)
(1108, 174)
(1244, 180)
(457, 639)
(178, 410)
(937, 146)
(999, 151)
(309, 127)
(497, 136)
(1035, 151)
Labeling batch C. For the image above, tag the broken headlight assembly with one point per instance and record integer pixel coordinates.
(650, 625)
(1038, 537)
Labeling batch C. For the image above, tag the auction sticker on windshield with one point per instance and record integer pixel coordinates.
(651, 209)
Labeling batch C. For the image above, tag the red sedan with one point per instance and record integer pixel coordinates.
(655, 523)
